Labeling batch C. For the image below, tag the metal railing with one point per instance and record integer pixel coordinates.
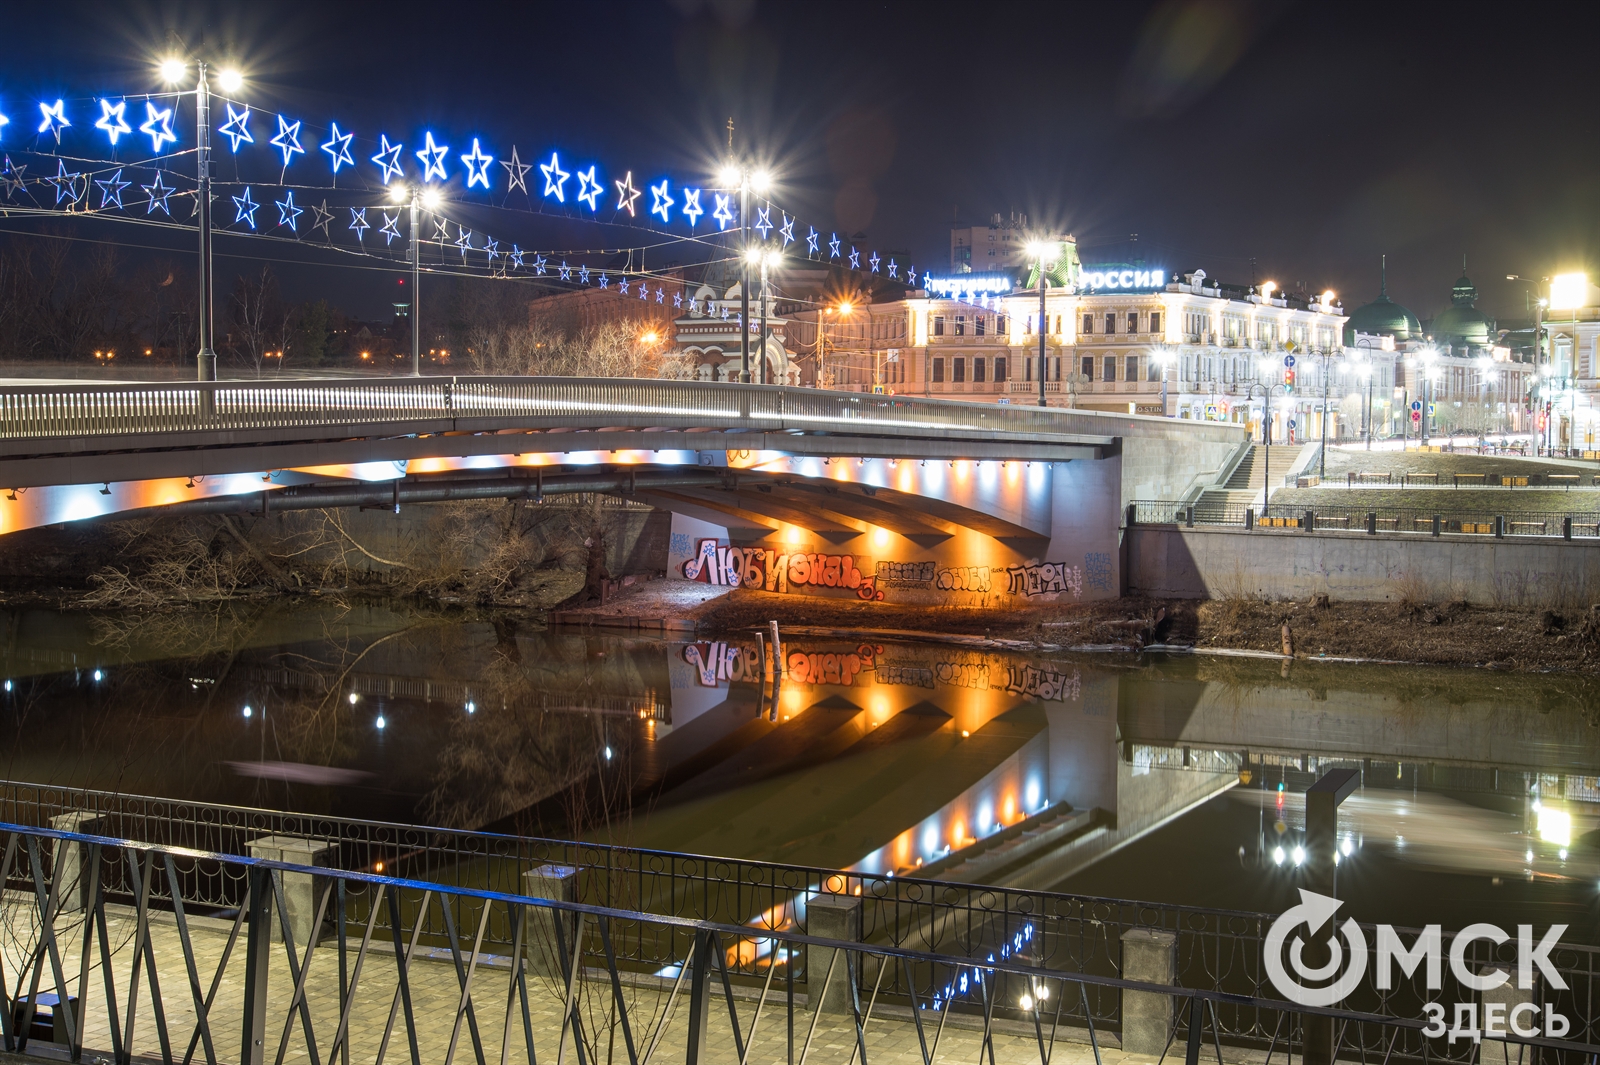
(484, 403)
(506, 974)
(1325, 518)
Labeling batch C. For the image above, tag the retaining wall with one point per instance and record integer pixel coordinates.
(1209, 563)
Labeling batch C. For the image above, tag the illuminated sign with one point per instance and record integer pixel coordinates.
(964, 285)
(1099, 278)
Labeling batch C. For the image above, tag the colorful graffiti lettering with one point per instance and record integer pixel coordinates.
(909, 676)
(907, 573)
(963, 674)
(1097, 570)
(1046, 684)
(964, 579)
(805, 667)
(1045, 578)
(718, 663)
(755, 567)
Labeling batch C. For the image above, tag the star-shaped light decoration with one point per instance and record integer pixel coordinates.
(288, 140)
(626, 194)
(555, 178)
(603, 281)
(321, 217)
(663, 202)
(463, 240)
(893, 270)
(358, 222)
(112, 120)
(691, 206)
(288, 213)
(66, 183)
(724, 314)
(644, 290)
(338, 149)
(491, 248)
(566, 271)
(786, 231)
(538, 264)
(441, 230)
(516, 171)
(111, 189)
(660, 294)
(589, 189)
(54, 120)
(391, 228)
(694, 306)
(157, 125)
(11, 177)
(516, 253)
(583, 274)
(432, 156)
(388, 158)
(855, 258)
(477, 164)
(237, 128)
(622, 286)
(763, 221)
(722, 214)
(833, 247)
(157, 194)
(874, 261)
(811, 240)
(246, 208)
(677, 299)
(927, 279)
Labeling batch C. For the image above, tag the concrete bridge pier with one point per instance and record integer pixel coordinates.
(299, 889)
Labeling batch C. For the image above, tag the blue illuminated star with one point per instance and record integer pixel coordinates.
(833, 247)
(659, 293)
(477, 164)
(66, 183)
(855, 258)
(338, 149)
(246, 208)
(111, 119)
(358, 222)
(583, 274)
(663, 202)
(722, 214)
(463, 240)
(288, 140)
(603, 282)
(391, 228)
(157, 125)
(237, 128)
(388, 158)
(644, 290)
(622, 286)
(694, 306)
(691, 206)
(677, 299)
(491, 248)
(111, 188)
(892, 270)
(288, 213)
(158, 194)
(538, 265)
(516, 257)
(874, 261)
(786, 231)
(588, 189)
(555, 178)
(432, 156)
(927, 280)
(763, 221)
(55, 120)
(811, 240)
(566, 271)
(516, 172)
(626, 194)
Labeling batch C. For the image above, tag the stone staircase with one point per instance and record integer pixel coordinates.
(1244, 487)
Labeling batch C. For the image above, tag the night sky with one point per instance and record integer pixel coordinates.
(1309, 138)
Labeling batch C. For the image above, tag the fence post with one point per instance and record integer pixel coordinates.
(1509, 996)
(1249, 518)
(1150, 956)
(257, 963)
(1133, 515)
(699, 996)
(1188, 515)
(1438, 525)
(1500, 526)
(830, 917)
(560, 883)
(1309, 522)
(1372, 523)
(299, 893)
(73, 894)
(1566, 528)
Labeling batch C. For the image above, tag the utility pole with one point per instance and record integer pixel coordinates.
(744, 272)
(206, 360)
(416, 292)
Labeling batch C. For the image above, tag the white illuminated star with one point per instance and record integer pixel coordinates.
(338, 149)
(477, 164)
(432, 156)
(555, 178)
(157, 126)
(855, 258)
(626, 194)
(516, 252)
(320, 217)
(237, 128)
(391, 228)
(763, 221)
(358, 222)
(516, 171)
(811, 241)
(677, 299)
(603, 282)
(833, 247)
(722, 214)
(287, 141)
(892, 269)
(111, 188)
(66, 183)
(663, 202)
(246, 209)
(786, 231)
(566, 271)
(388, 158)
(464, 240)
(589, 189)
(55, 120)
(158, 194)
(583, 274)
(691, 206)
(491, 248)
(112, 120)
(874, 261)
(288, 213)
(538, 264)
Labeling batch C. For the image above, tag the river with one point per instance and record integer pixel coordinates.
(1158, 777)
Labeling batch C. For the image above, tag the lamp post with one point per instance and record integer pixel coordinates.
(1366, 372)
(1164, 360)
(1039, 249)
(1266, 436)
(736, 173)
(765, 259)
(414, 196)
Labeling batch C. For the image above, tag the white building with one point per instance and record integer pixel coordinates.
(708, 343)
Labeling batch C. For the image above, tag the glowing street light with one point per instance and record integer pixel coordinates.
(1568, 292)
(1042, 250)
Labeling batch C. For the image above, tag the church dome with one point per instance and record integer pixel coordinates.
(1462, 322)
(1382, 317)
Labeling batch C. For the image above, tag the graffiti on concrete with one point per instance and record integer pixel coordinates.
(1044, 578)
(764, 569)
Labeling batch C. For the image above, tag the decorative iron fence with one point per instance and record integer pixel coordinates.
(1420, 520)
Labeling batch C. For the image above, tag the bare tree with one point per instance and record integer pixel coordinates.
(260, 320)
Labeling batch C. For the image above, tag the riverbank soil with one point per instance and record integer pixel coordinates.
(1452, 634)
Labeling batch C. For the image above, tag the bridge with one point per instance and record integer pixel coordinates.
(922, 487)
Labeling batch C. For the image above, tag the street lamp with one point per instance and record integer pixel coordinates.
(1040, 249)
(844, 309)
(1366, 372)
(766, 260)
(1266, 429)
(741, 176)
(1164, 359)
(429, 198)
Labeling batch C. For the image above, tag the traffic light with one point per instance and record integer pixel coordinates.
(1288, 379)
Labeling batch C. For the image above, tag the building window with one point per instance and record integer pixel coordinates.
(1058, 325)
(1000, 325)
(1108, 369)
(958, 370)
(1155, 321)
(1153, 371)
(961, 325)
(1088, 324)
(938, 370)
(1131, 371)
(999, 369)
(1111, 323)
(1088, 367)
(977, 370)
(1133, 322)
(978, 324)
(938, 325)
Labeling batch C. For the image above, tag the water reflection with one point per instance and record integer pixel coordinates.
(1090, 773)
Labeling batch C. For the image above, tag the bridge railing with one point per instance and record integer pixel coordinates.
(58, 410)
(1214, 951)
(301, 965)
(1422, 521)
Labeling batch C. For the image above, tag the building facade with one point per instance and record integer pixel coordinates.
(1002, 245)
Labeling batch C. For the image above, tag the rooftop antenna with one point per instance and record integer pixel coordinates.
(730, 134)
(1383, 276)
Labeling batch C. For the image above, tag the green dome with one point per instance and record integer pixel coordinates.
(1382, 317)
(1462, 321)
